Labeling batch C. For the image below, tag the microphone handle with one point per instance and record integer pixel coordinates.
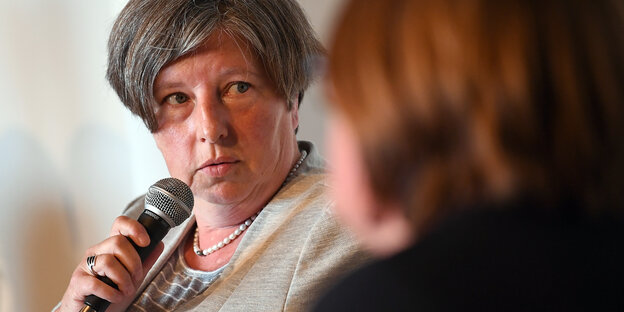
(156, 228)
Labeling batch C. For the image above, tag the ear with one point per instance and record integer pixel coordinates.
(390, 230)
(294, 113)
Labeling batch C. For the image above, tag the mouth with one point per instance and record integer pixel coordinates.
(219, 167)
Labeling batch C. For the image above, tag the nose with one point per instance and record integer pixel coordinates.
(212, 120)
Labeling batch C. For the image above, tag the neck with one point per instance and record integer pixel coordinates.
(215, 216)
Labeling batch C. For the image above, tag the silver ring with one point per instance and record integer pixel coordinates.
(91, 263)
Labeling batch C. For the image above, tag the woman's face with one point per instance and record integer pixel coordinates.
(223, 128)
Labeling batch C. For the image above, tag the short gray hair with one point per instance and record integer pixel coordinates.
(149, 34)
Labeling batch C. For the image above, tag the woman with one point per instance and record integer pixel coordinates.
(478, 150)
(219, 84)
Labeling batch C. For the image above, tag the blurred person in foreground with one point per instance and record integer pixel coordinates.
(219, 84)
(477, 148)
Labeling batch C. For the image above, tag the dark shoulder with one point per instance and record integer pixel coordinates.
(379, 286)
(508, 260)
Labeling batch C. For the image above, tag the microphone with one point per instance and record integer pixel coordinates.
(167, 204)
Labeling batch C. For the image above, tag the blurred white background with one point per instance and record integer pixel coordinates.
(71, 156)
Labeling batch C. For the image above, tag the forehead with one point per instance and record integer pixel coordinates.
(220, 54)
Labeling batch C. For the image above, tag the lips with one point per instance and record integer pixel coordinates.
(218, 167)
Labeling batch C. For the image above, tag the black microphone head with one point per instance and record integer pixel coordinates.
(172, 198)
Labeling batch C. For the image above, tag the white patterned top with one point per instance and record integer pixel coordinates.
(174, 285)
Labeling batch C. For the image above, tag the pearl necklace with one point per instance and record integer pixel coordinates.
(241, 228)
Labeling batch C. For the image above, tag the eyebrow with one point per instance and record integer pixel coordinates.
(226, 72)
(159, 88)
(237, 71)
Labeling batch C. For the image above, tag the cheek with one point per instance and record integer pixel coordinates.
(175, 147)
(265, 129)
(354, 201)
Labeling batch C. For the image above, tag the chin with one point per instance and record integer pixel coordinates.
(219, 194)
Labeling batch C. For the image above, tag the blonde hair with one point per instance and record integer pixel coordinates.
(459, 103)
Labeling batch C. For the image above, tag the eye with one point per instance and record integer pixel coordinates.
(176, 98)
(238, 87)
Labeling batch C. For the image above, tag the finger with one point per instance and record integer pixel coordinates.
(108, 265)
(120, 247)
(127, 255)
(98, 288)
(132, 229)
(81, 285)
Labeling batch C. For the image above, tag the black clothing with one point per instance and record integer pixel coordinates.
(510, 259)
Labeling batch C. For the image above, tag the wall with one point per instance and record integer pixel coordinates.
(71, 157)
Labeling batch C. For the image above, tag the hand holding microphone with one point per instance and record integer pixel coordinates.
(113, 269)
